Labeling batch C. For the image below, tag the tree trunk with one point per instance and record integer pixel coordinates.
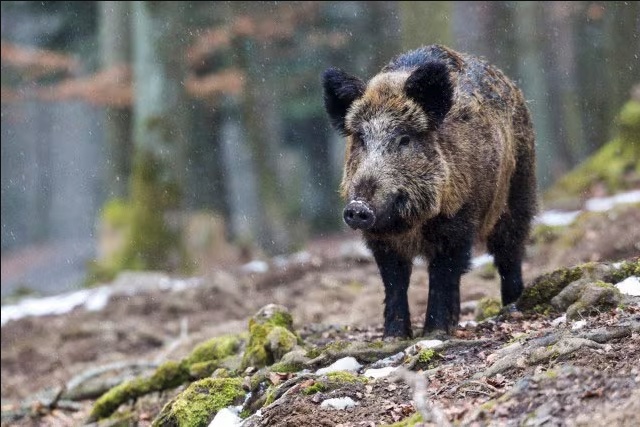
(115, 39)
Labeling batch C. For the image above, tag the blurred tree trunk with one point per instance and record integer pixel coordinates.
(160, 134)
(115, 40)
(240, 180)
(425, 23)
(262, 132)
(531, 70)
(558, 56)
(607, 64)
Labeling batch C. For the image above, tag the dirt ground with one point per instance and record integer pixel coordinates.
(334, 294)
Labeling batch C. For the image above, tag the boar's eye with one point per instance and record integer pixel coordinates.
(403, 140)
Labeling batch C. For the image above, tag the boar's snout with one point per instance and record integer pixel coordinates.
(359, 215)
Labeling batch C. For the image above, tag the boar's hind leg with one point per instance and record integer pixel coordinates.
(395, 271)
(507, 240)
(445, 270)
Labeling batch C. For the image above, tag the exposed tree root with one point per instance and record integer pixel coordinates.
(553, 346)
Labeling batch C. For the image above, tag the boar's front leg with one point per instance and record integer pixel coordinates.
(395, 271)
(445, 269)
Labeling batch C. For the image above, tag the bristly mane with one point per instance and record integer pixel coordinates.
(420, 56)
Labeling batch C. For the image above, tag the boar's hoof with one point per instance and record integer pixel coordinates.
(358, 215)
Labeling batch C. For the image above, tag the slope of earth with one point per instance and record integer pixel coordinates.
(333, 292)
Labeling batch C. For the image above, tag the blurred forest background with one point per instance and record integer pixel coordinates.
(175, 135)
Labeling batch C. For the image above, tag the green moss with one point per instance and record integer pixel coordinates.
(314, 388)
(168, 375)
(551, 374)
(408, 422)
(335, 347)
(376, 344)
(626, 269)
(270, 396)
(214, 349)
(271, 336)
(426, 355)
(206, 358)
(487, 307)
(286, 367)
(342, 377)
(538, 295)
(610, 165)
(198, 404)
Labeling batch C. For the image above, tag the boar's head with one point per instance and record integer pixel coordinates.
(395, 173)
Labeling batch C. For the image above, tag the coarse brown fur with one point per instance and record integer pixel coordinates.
(468, 163)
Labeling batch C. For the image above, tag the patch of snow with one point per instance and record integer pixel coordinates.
(601, 204)
(95, 299)
(559, 320)
(579, 324)
(630, 286)
(338, 403)
(226, 417)
(349, 364)
(555, 218)
(355, 250)
(481, 260)
(255, 266)
(298, 258)
(380, 373)
(98, 300)
(422, 345)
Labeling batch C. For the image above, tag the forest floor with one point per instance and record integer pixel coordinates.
(553, 372)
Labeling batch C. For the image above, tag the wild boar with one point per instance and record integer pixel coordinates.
(440, 154)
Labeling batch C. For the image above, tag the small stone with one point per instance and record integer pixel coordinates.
(579, 324)
(379, 373)
(338, 403)
(349, 364)
(559, 321)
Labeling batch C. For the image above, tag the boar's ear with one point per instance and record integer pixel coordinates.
(430, 87)
(340, 90)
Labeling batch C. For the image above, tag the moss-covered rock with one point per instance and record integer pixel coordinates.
(271, 336)
(168, 375)
(566, 286)
(202, 362)
(214, 349)
(199, 403)
(594, 298)
(538, 295)
(487, 307)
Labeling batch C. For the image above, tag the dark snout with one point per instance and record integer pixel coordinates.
(358, 215)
